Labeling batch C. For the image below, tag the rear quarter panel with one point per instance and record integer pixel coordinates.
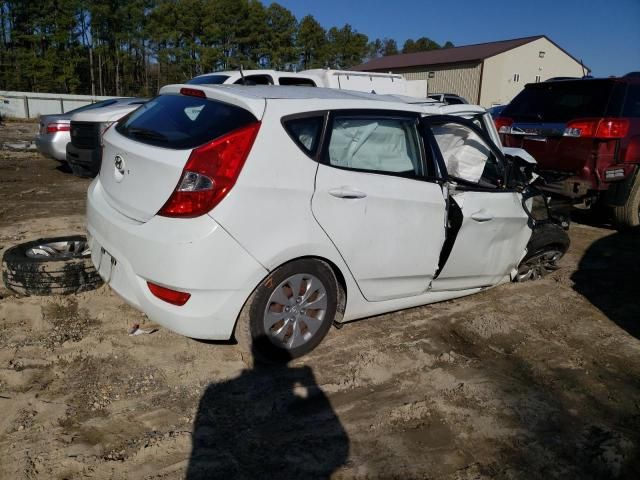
(269, 209)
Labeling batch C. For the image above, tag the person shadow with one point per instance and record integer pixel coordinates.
(608, 275)
(272, 421)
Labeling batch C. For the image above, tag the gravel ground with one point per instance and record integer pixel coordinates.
(524, 381)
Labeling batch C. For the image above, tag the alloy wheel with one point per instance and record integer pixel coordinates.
(295, 311)
(539, 265)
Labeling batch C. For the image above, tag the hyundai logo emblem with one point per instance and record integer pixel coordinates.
(119, 163)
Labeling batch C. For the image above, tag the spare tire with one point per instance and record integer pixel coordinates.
(50, 266)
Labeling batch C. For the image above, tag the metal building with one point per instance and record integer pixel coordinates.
(486, 73)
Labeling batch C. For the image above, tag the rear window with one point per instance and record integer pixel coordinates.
(561, 101)
(182, 122)
(208, 79)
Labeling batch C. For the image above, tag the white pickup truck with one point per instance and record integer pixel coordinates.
(369, 82)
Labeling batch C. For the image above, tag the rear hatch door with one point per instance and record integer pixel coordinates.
(144, 155)
(540, 114)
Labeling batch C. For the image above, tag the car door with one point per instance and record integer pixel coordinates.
(377, 199)
(488, 227)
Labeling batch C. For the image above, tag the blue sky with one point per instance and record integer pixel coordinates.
(604, 34)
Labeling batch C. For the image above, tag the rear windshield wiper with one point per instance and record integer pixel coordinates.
(147, 133)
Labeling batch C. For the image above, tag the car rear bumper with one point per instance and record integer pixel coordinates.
(84, 162)
(572, 187)
(588, 183)
(192, 255)
(53, 145)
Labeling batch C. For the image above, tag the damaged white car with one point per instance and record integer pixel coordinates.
(271, 213)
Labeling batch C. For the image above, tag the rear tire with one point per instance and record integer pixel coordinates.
(628, 215)
(56, 274)
(289, 313)
(547, 245)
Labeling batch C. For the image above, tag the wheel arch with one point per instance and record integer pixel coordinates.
(340, 280)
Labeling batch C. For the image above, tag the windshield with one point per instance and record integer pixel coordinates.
(208, 79)
(560, 101)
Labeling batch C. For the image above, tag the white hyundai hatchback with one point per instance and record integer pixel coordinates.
(273, 212)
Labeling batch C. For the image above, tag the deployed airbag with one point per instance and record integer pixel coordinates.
(380, 145)
(463, 151)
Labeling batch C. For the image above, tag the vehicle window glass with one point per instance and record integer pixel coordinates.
(182, 122)
(304, 82)
(467, 156)
(305, 132)
(632, 102)
(255, 80)
(453, 101)
(208, 79)
(560, 101)
(375, 144)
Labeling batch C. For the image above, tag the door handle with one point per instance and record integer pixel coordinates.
(482, 216)
(347, 192)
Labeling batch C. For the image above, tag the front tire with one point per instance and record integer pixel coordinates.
(290, 312)
(547, 245)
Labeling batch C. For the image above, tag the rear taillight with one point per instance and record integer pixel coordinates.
(173, 297)
(503, 124)
(210, 173)
(604, 128)
(58, 127)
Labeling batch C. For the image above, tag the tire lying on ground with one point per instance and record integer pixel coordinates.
(50, 266)
(547, 245)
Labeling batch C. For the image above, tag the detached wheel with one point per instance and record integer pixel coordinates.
(50, 266)
(548, 244)
(289, 313)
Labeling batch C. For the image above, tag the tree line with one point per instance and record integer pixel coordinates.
(133, 47)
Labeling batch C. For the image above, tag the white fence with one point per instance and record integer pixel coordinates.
(32, 105)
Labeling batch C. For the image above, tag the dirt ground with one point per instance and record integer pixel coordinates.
(524, 381)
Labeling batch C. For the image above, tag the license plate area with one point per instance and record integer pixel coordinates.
(104, 262)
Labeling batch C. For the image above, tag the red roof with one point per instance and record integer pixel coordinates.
(466, 53)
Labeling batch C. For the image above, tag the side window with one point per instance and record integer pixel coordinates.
(453, 101)
(467, 156)
(255, 80)
(303, 82)
(305, 132)
(375, 144)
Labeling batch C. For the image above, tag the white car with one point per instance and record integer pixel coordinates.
(299, 208)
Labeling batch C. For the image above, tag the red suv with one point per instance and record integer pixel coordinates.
(585, 135)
